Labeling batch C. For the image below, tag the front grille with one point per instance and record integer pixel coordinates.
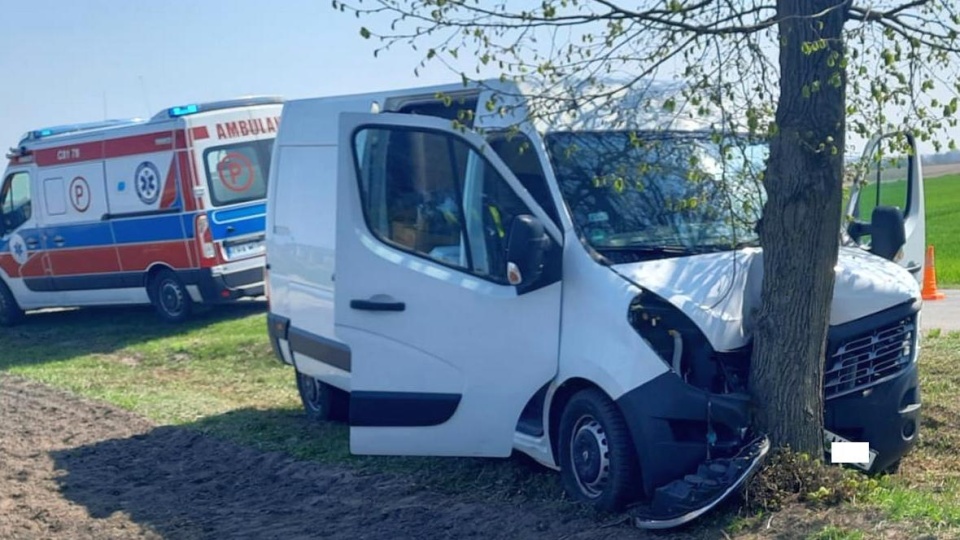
(863, 360)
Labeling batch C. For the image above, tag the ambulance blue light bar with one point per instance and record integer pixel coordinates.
(183, 111)
(194, 108)
(43, 133)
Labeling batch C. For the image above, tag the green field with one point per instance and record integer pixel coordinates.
(217, 374)
(942, 198)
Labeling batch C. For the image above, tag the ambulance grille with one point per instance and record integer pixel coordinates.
(871, 357)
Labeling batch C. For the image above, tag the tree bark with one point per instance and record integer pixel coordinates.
(800, 226)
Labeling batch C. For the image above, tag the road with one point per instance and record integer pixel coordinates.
(943, 314)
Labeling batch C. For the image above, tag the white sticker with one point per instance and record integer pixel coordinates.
(850, 452)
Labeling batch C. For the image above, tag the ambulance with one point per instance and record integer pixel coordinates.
(167, 211)
(458, 274)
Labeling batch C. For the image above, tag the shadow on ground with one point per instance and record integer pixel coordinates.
(183, 483)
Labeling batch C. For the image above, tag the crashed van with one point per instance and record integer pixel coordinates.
(456, 276)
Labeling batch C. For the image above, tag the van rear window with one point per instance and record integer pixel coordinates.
(238, 172)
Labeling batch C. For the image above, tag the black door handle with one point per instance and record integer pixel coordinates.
(32, 243)
(373, 305)
(58, 240)
(230, 229)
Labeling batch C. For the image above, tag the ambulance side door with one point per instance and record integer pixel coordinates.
(22, 257)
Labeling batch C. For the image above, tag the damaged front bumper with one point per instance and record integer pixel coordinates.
(683, 501)
(693, 447)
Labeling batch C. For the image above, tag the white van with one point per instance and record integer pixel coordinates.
(552, 292)
(168, 211)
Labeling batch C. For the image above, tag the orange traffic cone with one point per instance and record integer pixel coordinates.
(930, 291)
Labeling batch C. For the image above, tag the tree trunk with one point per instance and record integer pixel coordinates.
(800, 226)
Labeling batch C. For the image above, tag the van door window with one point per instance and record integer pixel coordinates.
(15, 201)
(237, 173)
(517, 152)
(430, 193)
(888, 177)
(412, 184)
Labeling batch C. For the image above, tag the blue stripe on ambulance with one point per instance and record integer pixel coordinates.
(238, 221)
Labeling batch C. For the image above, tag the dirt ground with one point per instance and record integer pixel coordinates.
(73, 468)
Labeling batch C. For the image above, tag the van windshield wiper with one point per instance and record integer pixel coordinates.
(647, 248)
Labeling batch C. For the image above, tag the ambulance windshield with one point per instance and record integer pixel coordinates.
(238, 172)
(688, 191)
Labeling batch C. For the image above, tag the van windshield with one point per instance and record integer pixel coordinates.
(679, 191)
(237, 172)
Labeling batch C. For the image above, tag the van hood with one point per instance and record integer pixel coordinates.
(720, 291)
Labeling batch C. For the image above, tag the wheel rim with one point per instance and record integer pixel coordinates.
(590, 454)
(171, 297)
(312, 392)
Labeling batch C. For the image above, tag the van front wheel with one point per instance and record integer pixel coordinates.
(321, 401)
(10, 312)
(170, 297)
(598, 464)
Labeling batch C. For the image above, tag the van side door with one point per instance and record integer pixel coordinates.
(890, 174)
(444, 352)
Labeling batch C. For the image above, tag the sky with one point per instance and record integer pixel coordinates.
(69, 61)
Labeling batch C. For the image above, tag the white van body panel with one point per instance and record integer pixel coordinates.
(719, 291)
(597, 342)
(520, 333)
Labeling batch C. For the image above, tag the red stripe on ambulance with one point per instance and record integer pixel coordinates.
(112, 148)
(140, 257)
(169, 195)
(86, 260)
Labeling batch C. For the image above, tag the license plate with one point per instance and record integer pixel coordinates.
(244, 250)
(830, 438)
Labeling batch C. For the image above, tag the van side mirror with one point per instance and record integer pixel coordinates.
(526, 245)
(887, 232)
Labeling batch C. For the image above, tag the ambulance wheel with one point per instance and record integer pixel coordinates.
(321, 401)
(10, 312)
(170, 297)
(598, 464)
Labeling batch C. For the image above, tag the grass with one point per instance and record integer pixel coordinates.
(218, 375)
(942, 198)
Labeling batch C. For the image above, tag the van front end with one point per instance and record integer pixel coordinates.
(684, 420)
(871, 384)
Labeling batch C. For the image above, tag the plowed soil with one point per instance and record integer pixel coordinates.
(78, 469)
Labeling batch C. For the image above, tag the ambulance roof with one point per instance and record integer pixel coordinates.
(165, 115)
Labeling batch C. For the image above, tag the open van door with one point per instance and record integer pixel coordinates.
(448, 339)
(891, 178)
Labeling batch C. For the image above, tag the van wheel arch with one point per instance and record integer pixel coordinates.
(558, 403)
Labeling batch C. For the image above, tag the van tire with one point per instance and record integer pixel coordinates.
(322, 402)
(10, 312)
(170, 297)
(598, 463)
